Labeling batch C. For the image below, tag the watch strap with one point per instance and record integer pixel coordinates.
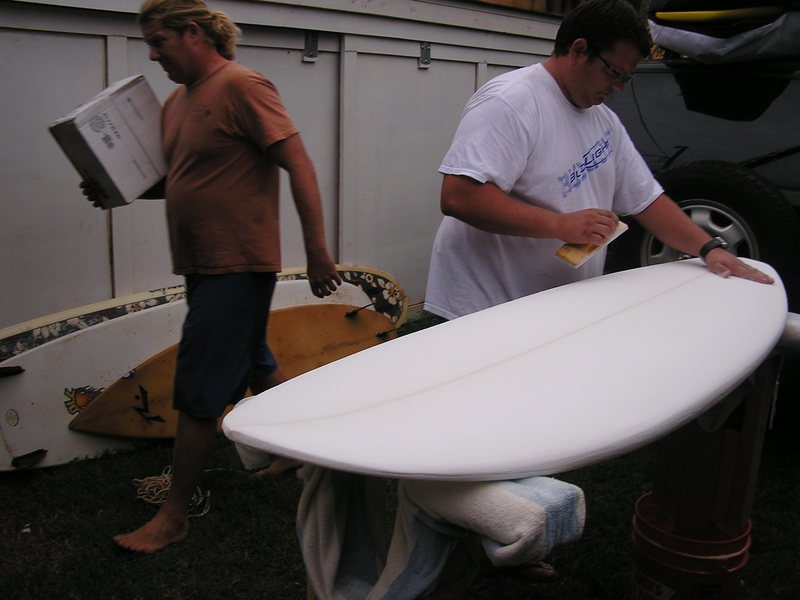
(710, 245)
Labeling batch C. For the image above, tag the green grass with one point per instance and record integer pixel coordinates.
(56, 528)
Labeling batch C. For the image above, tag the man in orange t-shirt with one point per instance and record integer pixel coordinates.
(226, 135)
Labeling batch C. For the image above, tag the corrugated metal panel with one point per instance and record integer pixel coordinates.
(553, 7)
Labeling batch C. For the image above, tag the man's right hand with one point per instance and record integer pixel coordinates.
(93, 192)
(588, 226)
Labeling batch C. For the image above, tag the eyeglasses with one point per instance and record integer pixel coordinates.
(615, 75)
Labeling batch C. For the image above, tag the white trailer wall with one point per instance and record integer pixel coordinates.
(374, 117)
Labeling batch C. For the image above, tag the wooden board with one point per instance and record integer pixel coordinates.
(302, 338)
(53, 367)
(544, 384)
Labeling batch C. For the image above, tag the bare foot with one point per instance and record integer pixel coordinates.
(280, 466)
(153, 535)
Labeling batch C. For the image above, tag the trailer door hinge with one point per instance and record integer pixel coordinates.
(424, 55)
(311, 49)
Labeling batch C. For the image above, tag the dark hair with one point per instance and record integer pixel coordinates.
(603, 23)
(177, 14)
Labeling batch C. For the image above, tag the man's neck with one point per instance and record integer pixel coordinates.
(554, 65)
(208, 62)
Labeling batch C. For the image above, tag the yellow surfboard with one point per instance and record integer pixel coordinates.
(302, 338)
(720, 15)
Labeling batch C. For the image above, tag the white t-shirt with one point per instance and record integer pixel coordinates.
(521, 133)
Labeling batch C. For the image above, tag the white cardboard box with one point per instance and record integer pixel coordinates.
(115, 140)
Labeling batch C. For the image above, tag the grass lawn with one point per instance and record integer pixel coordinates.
(56, 528)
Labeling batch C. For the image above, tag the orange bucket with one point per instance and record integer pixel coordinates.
(680, 568)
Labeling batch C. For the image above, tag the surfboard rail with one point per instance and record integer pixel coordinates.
(385, 292)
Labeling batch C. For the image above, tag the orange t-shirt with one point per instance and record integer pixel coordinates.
(222, 191)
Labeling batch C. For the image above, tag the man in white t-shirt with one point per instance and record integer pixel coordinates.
(539, 160)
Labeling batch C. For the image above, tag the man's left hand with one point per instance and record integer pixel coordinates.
(725, 264)
(323, 276)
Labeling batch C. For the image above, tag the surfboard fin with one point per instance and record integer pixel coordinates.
(352, 313)
(9, 371)
(26, 461)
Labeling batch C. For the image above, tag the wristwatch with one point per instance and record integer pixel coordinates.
(716, 242)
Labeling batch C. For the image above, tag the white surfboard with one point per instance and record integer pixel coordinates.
(537, 386)
(52, 367)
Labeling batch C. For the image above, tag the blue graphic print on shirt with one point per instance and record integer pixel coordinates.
(593, 159)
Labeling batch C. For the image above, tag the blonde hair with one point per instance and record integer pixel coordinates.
(177, 14)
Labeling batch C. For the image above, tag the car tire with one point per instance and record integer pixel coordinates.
(731, 202)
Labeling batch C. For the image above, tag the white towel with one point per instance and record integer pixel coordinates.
(343, 529)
